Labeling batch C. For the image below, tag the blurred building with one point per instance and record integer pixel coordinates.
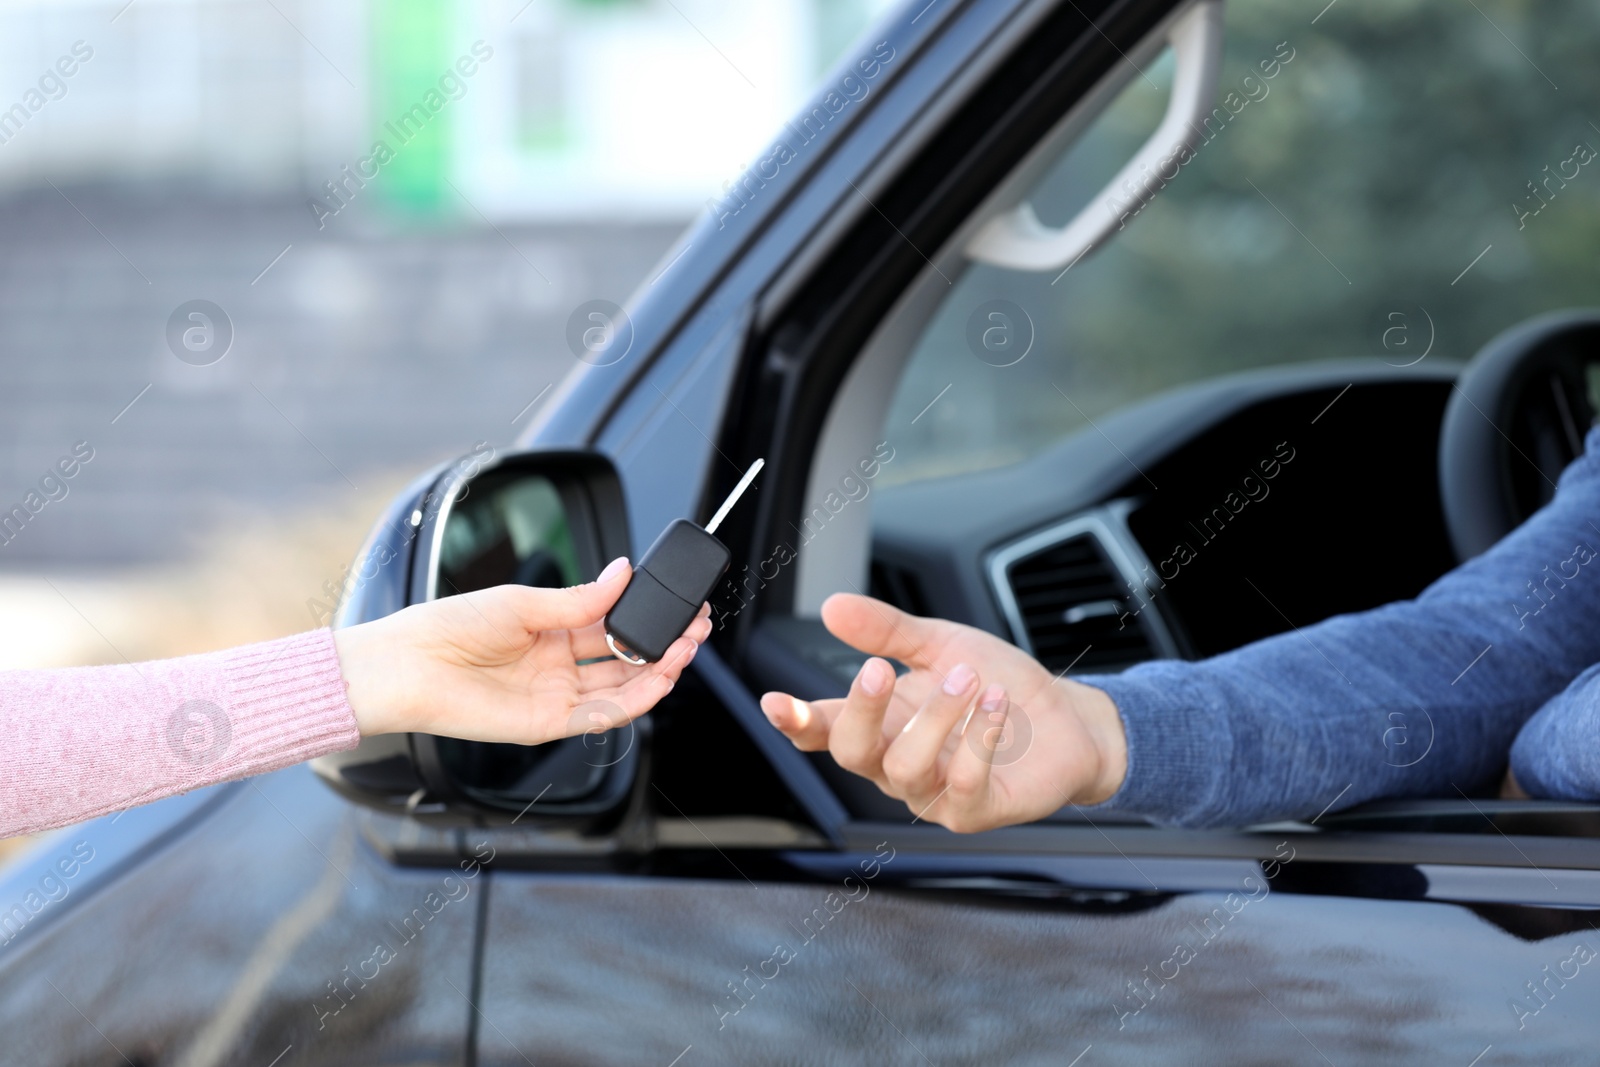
(397, 204)
(573, 108)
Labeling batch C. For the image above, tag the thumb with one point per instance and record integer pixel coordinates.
(575, 606)
(877, 628)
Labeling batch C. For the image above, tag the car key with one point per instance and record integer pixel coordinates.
(670, 583)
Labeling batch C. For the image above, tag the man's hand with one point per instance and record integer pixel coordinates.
(1033, 744)
(502, 664)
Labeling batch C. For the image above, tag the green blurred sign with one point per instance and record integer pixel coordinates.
(411, 48)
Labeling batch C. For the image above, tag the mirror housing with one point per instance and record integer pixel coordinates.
(545, 518)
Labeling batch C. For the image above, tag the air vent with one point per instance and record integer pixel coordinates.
(1072, 603)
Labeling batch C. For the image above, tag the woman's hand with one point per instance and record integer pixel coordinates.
(502, 664)
(1034, 743)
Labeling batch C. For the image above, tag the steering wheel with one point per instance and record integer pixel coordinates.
(1516, 417)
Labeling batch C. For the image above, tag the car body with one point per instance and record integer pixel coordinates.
(744, 902)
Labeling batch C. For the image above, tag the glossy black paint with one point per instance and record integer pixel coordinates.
(255, 926)
(858, 973)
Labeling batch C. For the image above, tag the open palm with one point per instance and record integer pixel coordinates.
(511, 663)
(1032, 744)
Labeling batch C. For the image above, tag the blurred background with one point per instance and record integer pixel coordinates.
(395, 204)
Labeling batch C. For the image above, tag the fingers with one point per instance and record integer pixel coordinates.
(856, 739)
(645, 686)
(908, 765)
(806, 724)
(700, 629)
(911, 763)
(590, 641)
(877, 628)
(609, 673)
(594, 717)
(571, 608)
(613, 672)
(631, 691)
(968, 774)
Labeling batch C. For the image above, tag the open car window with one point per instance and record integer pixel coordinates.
(1390, 185)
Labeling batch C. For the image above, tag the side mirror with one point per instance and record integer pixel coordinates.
(541, 518)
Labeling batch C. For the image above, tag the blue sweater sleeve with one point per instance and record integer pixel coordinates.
(1557, 755)
(1416, 698)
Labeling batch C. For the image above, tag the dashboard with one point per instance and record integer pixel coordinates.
(1190, 523)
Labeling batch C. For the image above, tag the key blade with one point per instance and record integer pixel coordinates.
(733, 497)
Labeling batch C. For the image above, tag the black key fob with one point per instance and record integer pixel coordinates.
(664, 595)
(668, 586)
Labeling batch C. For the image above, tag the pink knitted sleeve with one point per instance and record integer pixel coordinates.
(86, 741)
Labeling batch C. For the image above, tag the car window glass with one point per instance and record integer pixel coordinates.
(1390, 181)
(510, 527)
